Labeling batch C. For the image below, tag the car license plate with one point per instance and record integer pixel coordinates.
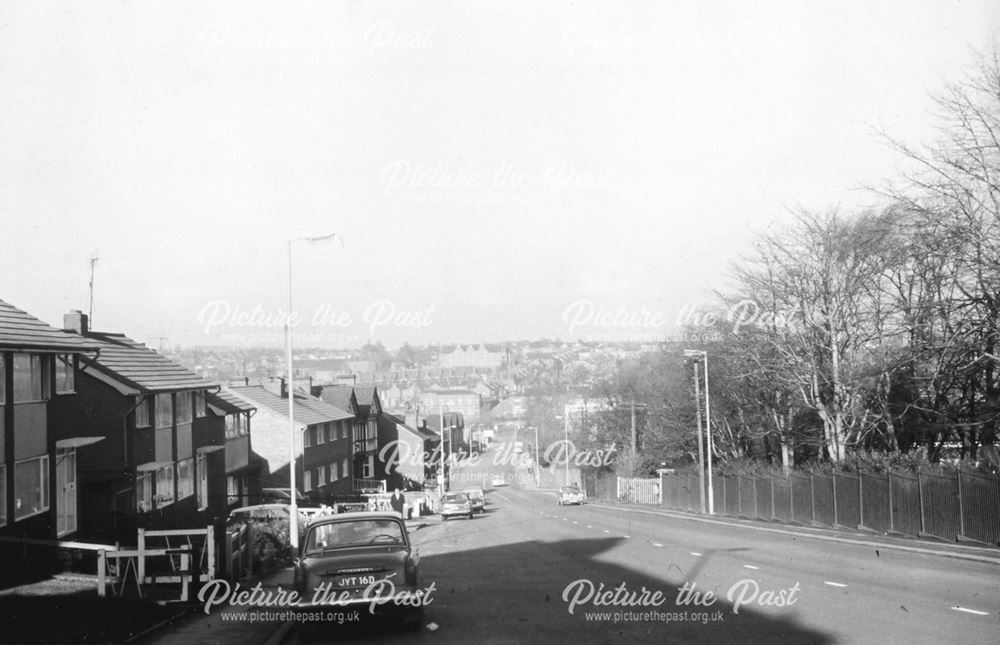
(356, 581)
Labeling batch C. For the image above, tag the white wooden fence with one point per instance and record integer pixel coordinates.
(634, 490)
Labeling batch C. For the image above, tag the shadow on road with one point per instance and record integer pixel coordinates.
(516, 593)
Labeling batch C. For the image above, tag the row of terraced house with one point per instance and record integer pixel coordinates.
(101, 435)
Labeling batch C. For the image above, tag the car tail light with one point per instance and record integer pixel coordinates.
(411, 572)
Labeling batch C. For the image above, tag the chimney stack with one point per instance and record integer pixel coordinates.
(76, 321)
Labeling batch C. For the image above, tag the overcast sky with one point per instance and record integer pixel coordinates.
(494, 171)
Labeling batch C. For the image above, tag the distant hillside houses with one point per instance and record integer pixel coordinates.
(478, 356)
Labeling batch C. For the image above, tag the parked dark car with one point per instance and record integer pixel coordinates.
(351, 555)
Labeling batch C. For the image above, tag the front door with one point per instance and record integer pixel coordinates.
(65, 491)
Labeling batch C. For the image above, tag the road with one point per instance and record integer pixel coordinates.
(508, 576)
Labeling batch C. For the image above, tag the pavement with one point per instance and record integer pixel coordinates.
(223, 625)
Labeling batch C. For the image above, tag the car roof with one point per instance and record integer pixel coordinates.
(360, 515)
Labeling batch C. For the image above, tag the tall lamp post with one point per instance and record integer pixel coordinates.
(538, 468)
(566, 440)
(293, 521)
(703, 355)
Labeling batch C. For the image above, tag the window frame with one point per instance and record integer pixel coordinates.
(144, 497)
(142, 420)
(43, 485)
(201, 481)
(306, 481)
(157, 407)
(42, 383)
(185, 407)
(159, 499)
(321, 476)
(69, 363)
(185, 485)
(200, 404)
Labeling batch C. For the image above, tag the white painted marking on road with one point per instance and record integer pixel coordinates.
(972, 611)
(627, 537)
(657, 544)
(834, 584)
(606, 531)
(695, 553)
(589, 526)
(750, 566)
(575, 522)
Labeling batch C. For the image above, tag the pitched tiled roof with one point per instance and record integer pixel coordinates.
(308, 410)
(138, 367)
(423, 433)
(19, 330)
(339, 396)
(229, 401)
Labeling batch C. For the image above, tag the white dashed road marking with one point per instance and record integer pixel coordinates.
(750, 566)
(972, 611)
(657, 544)
(834, 584)
(695, 553)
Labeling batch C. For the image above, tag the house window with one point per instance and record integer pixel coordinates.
(3, 484)
(28, 378)
(164, 485)
(232, 490)
(334, 475)
(65, 374)
(331, 432)
(144, 492)
(244, 423)
(31, 487)
(343, 430)
(185, 478)
(184, 410)
(307, 484)
(368, 468)
(142, 413)
(3, 381)
(306, 443)
(199, 405)
(321, 476)
(345, 467)
(164, 411)
(320, 433)
(233, 425)
(201, 471)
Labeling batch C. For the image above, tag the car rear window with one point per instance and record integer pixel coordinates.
(455, 498)
(355, 533)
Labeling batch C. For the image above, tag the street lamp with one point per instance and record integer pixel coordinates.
(566, 439)
(538, 467)
(703, 355)
(293, 522)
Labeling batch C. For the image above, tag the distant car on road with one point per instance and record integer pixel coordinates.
(570, 495)
(453, 504)
(351, 552)
(498, 480)
(477, 498)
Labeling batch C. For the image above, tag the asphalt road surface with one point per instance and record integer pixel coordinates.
(530, 571)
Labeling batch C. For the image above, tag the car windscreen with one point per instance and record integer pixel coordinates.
(571, 491)
(355, 533)
(455, 498)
